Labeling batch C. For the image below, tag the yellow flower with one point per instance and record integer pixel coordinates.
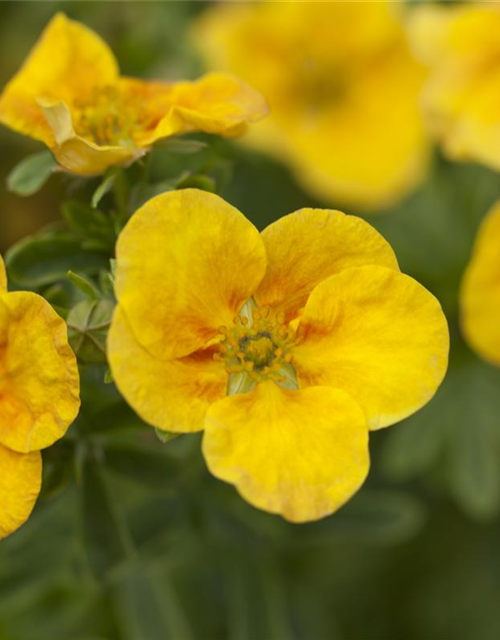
(39, 396)
(480, 292)
(286, 347)
(461, 46)
(69, 95)
(342, 87)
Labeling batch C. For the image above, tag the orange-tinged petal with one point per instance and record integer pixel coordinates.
(301, 454)
(68, 62)
(309, 245)
(186, 262)
(78, 155)
(172, 395)
(216, 103)
(20, 483)
(39, 382)
(379, 335)
(480, 292)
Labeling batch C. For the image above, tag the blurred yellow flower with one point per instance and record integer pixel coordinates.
(342, 87)
(286, 347)
(39, 396)
(69, 95)
(460, 43)
(480, 292)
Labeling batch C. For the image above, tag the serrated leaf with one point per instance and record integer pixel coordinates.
(88, 324)
(31, 174)
(47, 257)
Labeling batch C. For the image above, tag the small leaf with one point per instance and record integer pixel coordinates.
(31, 174)
(104, 188)
(47, 257)
(85, 286)
(88, 324)
(182, 145)
(197, 181)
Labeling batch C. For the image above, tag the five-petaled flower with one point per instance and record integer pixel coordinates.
(460, 44)
(286, 347)
(343, 89)
(39, 396)
(480, 291)
(69, 95)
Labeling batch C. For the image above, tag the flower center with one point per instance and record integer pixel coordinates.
(257, 347)
(107, 117)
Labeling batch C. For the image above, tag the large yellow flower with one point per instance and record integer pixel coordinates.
(286, 347)
(69, 95)
(480, 293)
(342, 87)
(462, 48)
(39, 396)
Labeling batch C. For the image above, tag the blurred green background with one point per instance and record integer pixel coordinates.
(133, 540)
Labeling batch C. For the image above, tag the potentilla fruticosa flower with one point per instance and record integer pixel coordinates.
(286, 347)
(69, 94)
(39, 396)
(460, 44)
(342, 86)
(480, 292)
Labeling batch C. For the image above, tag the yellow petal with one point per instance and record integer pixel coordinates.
(172, 395)
(20, 483)
(68, 62)
(480, 292)
(3, 277)
(186, 262)
(377, 334)
(309, 245)
(39, 382)
(216, 103)
(332, 73)
(301, 454)
(78, 155)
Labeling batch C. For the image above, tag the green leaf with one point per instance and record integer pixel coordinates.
(196, 181)
(182, 145)
(104, 188)
(85, 286)
(106, 540)
(31, 173)
(151, 465)
(47, 257)
(379, 516)
(456, 432)
(88, 324)
(91, 224)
